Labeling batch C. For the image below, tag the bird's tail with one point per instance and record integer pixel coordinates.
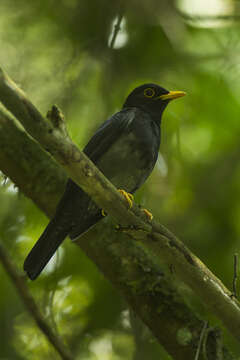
(45, 247)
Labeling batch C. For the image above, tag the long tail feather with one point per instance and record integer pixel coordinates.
(44, 249)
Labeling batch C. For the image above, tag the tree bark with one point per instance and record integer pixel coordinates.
(132, 257)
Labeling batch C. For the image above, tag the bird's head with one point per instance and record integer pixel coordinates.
(151, 98)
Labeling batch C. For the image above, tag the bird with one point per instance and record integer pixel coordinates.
(125, 148)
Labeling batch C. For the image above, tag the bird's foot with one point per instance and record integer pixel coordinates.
(103, 213)
(148, 214)
(127, 196)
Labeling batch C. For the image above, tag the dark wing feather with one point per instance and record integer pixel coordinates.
(108, 133)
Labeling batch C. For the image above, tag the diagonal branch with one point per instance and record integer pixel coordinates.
(146, 288)
(25, 155)
(32, 307)
(154, 239)
(76, 163)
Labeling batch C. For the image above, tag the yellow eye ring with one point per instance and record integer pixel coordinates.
(149, 92)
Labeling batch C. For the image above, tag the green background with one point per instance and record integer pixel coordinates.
(58, 52)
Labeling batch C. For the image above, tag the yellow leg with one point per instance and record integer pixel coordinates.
(127, 196)
(148, 214)
(103, 213)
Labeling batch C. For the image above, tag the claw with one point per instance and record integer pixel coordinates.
(127, 196)
(148, 214)
(103, 213)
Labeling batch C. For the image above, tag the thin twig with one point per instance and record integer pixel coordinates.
(30, 304)
(56, 117)
(205, 326)
(235, 274)
(117, 27)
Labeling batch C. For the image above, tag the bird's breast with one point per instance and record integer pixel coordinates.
(130, 159)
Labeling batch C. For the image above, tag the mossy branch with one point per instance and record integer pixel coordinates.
(155, 242)
(32, 306)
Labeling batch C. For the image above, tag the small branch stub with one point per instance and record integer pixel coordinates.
(56, 117)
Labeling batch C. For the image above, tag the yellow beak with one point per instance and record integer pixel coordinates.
(172, 95)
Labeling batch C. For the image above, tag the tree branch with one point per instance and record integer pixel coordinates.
(23, 161)
(119, 257)
(75, 162)
(30, 304)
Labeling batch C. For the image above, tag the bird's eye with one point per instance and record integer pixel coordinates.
(149, 92)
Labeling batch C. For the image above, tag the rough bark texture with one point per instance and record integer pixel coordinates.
(131, 257)
(24, 162)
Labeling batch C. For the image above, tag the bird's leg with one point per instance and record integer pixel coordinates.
(103, 213)
(127, 196)
(148, 214)
(129, 199)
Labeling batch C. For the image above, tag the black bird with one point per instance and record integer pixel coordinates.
(125, 148)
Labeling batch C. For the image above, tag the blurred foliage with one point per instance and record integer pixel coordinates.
(58, 51)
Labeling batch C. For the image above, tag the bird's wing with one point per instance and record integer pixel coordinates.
(108, 133)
